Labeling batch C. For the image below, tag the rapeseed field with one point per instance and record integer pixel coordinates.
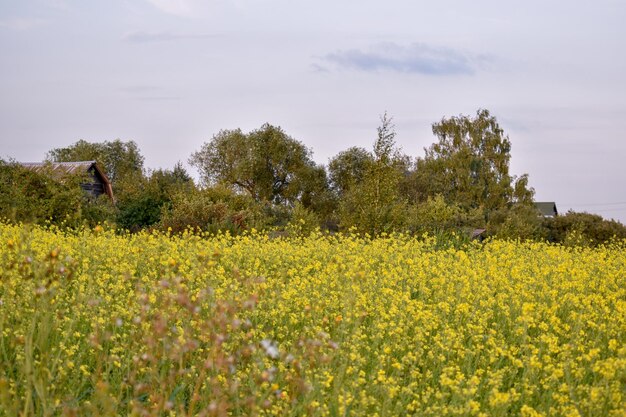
(97, 323)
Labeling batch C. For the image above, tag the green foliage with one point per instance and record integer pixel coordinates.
(266, 178)
(375, 205)
(469, 165)
(518, 221)
(146, 198)
(266, 163)
(98, 211)
(436, 217)
(576, 228)
(141, 211)
(120, 160)
(303, 221)
(314, 192)
(33, 197)
(348, 168)
(212, 209)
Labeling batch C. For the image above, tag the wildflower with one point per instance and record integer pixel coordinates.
(270, 347)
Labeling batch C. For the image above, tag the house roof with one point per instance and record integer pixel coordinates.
(70, 168)
(477, 233)
(547, 208)
(78, 167)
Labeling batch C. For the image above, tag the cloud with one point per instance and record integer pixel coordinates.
(145, 37)
(416, 58)
(319, 68)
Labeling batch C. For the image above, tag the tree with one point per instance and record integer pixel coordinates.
(266, 163)
(348, 168)
(120, 160)
(374, 204)
(469, 166)
(314, 193)
(143, 202)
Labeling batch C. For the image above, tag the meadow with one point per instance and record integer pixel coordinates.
(98, 323)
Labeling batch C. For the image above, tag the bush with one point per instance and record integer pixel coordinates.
(303, 221)
(521, 221)
(33, 197)
(142, 211)
(144, 199)
(436, 217)
(212, 210)
(591, 229)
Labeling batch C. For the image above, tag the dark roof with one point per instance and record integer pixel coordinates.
(61, 169)
(547, 208)
(477, 233)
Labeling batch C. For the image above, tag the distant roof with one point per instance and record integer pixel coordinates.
(77, 167)
(476, 233)
(547, 208)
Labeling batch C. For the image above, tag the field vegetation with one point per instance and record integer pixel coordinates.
(96, 322)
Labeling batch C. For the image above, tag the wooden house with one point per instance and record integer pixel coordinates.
(96, 182)
(547, 209)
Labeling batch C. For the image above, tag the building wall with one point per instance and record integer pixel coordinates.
(95, 187)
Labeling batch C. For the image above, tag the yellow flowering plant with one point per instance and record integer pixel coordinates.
(98, 323)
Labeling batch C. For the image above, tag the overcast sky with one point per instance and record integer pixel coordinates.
(169, 74)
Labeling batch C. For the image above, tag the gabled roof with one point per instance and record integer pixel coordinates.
(61, 169)
(547, 208)
(79, 167)
(476, 233)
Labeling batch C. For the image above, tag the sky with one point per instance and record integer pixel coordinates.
(170, 74)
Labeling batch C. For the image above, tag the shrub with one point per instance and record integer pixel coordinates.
(33, 197)
(211, 210)
(586, 228)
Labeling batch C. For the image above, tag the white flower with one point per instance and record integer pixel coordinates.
(271, 348)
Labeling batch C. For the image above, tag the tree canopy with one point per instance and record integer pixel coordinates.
(266, 178)
(266, 163)
(469, 165)
(348, 168)
(374, 204)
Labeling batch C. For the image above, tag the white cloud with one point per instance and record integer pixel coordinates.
(416, 58)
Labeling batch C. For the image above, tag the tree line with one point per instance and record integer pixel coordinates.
(265, 179)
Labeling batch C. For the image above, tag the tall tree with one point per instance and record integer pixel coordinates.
(348, 168)
(469, 165)
(266, 163)
(375, 204)
(120, 160)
